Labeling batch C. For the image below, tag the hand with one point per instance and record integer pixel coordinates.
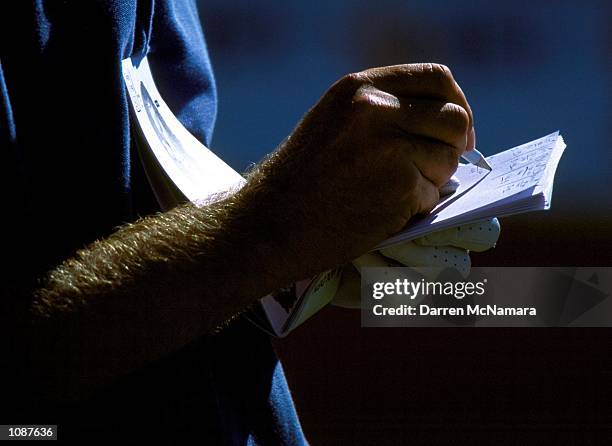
(426, 256)
(370, 155)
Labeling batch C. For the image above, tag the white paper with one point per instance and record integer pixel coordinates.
(181, 168)
(521, 181)
(193, 169)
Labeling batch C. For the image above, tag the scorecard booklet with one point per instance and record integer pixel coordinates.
(180, 168)
(521, 181)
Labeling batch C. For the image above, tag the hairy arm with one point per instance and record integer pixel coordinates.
(147, 290)
(365, 159)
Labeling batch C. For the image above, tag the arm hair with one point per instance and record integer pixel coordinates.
(149, 289)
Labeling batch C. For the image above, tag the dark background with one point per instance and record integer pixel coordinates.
(528, 68)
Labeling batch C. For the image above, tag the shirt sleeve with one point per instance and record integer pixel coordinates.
(179, 60)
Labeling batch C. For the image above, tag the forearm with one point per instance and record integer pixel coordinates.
(147, 290)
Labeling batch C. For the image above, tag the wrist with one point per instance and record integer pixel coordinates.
(249, 241)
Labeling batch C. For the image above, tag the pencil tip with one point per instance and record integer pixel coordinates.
(482, 163)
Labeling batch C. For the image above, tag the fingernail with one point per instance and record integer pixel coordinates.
(471, 139)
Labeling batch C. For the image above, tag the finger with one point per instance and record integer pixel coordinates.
(418, 80)
(450, 187)
(428, 195)
(418, 194)
(478, 236)
(438, 120)
(436, 161)
(429, 118)
(437, 258)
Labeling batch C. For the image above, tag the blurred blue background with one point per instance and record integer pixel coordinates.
(528, 68)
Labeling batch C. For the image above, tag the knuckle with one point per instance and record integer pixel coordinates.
(351, 81)
(442, 75)
(367, 100)
(363, 103)
(425, 68)
(443, 70)
(372, 98)
(458, 118)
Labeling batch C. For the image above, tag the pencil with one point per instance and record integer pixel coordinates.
(477, 159)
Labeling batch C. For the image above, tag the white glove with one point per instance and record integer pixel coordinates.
(426, 256)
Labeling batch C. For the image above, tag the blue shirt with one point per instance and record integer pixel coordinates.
(71, 175)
